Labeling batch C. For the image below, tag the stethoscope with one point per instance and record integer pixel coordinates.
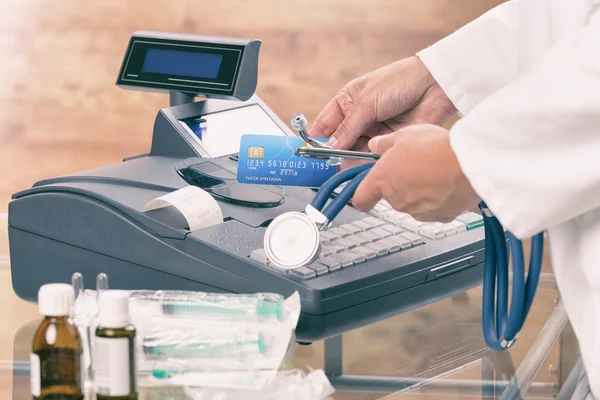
(292, 240)
(501, 327)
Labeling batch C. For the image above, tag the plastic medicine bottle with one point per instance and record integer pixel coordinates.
(114, 349)
(56, 368)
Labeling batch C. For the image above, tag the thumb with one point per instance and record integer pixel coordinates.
(380, 144)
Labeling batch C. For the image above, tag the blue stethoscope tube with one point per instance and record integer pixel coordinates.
(501, 327)
(355, 175)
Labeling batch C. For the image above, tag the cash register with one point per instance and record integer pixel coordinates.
(372, 265)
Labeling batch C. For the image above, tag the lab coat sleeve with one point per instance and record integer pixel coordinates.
(477, 59)
(532, 149)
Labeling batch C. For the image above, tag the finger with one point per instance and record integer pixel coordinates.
(368, 192)
(380, 144)
(328, 120)
(358, 119)
(351, 163)
(376, 130)
(362, 144)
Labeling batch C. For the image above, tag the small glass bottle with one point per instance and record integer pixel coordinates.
(56, 367)
(114, 349)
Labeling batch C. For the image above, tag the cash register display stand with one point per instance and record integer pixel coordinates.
(179, 98)
(372, 266)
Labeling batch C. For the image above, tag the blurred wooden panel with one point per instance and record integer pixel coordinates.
(61, 112)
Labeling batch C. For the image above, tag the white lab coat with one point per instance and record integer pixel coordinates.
(526, 78)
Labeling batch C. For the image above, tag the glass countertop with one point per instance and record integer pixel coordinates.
(436, 351)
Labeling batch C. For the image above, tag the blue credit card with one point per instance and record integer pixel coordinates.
(271, 160)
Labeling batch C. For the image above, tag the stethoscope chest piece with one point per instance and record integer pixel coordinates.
(292, 240)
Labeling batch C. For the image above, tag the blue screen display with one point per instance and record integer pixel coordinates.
(183, 63)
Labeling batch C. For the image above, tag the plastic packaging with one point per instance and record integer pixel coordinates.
(173, 350)
(258, 307)
(186, 337)
(290, 385)
(199, 342)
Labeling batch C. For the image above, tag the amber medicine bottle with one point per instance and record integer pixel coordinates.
(56, 368)
(114, 349)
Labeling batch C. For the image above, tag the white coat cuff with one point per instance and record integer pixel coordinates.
(474, 165)
(446, 79)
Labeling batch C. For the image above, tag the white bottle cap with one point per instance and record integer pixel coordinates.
(114, 309)
(56, 299)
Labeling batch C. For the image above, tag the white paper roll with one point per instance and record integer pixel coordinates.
(198, 207)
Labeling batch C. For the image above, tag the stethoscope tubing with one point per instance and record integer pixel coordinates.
(501, 326)
(355, 175)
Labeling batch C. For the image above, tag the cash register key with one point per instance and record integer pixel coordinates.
(369, 254)
(362, 225)
(327, 236)
(319, 268)
(403, 242)
(344, 259)
(360, 239)
(260, 256)
(367, 236)
(392, 246)
(412, 224)
(340, 232)
(381, 233)
(432, 232)
(336, 247)
(378, 247)
(393, 229)
(414, 239)
(338, 189)
(348, 244)
(394, 217)
(374, 222)
(459, 226)
(357, 258)
(471, 220)
(331, 263)
(327, 250)
(380, 208)
(448, 229)
(352, 228)
(302, 272)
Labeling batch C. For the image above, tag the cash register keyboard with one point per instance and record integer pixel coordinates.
(383, 233)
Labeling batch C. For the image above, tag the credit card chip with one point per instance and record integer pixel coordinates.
(256, 152)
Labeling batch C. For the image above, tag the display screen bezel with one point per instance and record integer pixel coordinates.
(224, 83)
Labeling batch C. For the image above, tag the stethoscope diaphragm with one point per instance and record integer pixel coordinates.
(292, 240)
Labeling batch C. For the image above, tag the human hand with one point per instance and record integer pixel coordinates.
(383, 101)
(418, 173)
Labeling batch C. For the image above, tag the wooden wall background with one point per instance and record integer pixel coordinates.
(60, 111)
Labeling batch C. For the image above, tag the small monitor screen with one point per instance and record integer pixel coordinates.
(182, 63)
(220, 133)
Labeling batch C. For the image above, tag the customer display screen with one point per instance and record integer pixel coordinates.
(182, 66)
(182, 63)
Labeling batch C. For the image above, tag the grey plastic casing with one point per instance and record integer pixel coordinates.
(93, 221)
(246, 77)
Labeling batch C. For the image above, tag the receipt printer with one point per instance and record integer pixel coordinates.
(371, 266)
